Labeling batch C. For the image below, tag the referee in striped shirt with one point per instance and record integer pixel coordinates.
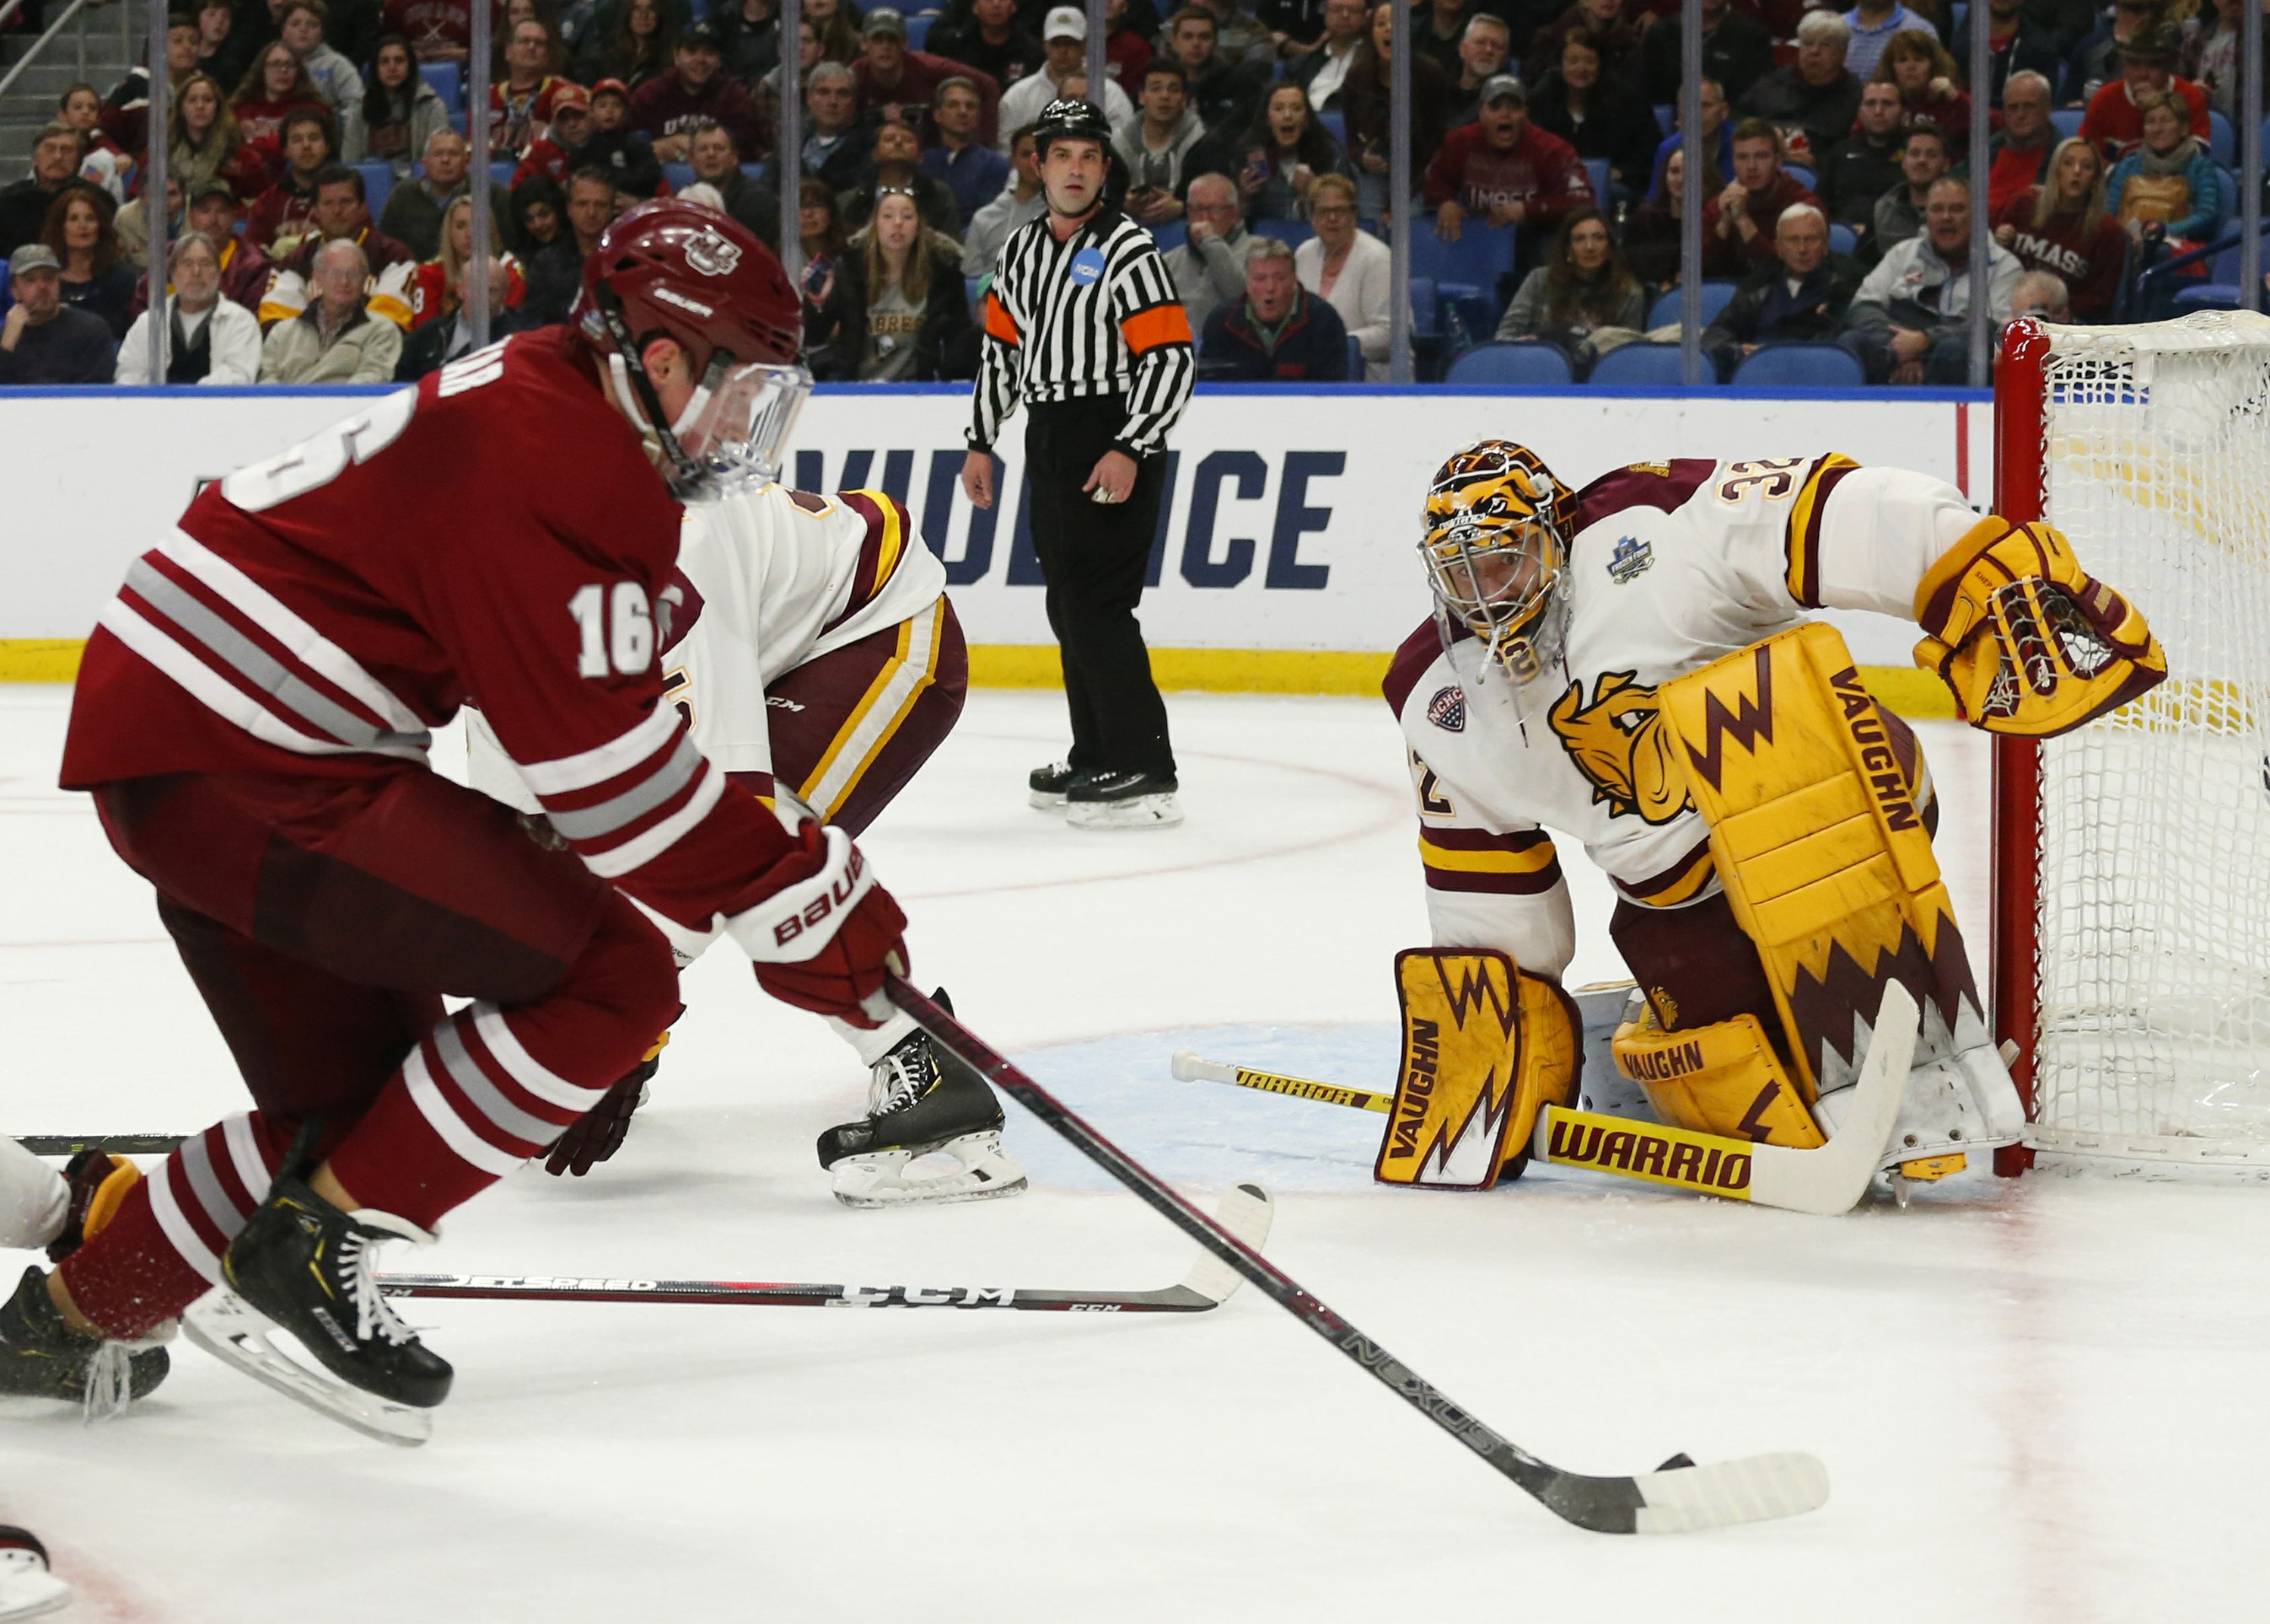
(1083, 325)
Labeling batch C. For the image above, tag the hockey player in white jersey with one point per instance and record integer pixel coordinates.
(1632, 666)
(809, 642)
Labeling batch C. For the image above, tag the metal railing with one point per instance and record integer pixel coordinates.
(47, 37)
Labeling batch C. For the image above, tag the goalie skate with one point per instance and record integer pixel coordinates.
(932, 1135)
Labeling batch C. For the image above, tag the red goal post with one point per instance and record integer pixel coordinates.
(2131, 916)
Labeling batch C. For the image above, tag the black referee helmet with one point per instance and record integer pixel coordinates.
(1065, 119)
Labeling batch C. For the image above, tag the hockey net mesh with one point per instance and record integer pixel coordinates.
(2153, 963)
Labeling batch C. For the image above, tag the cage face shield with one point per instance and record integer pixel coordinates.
(1494, 554)
(1500, 579)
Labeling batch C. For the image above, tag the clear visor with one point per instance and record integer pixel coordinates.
(738, 425)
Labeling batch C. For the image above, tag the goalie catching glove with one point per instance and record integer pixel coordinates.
(2029, 643)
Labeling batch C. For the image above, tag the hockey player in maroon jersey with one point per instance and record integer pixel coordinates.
(252, 718)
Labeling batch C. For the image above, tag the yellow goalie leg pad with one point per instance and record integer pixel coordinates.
(1723, 1079)
(1484, 1046)
(1820, 847)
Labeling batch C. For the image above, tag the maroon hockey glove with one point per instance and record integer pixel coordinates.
(598, 1132)
(825, 933)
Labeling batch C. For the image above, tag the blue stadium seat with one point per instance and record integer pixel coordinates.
(917, 31)
(1800, 365)
(1292, 233)
(1335, 123)
(501, 170)
(1171, 236)
(1665, 309)
(2066, 120)
(969, 288)
(2222, 139)
(448, 79)
(1355, 359)
(679, 176)
(1426, 309)
(1597, 170)
(1650, 365)
(1667, 117)
(1798, 173)
(1481, 255)
(1526, 362)
(1843, 238)
(2207, 296)
(378, 182)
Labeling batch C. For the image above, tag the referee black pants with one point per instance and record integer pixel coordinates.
(1092, 556)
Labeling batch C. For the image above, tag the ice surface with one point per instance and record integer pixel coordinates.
(2039, 1400)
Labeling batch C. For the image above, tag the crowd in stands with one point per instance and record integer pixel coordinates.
(1544, 148)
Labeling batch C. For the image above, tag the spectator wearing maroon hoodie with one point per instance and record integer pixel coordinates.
(245, 272)
(275, 86)
(894, 82)
(1738, 224)
(2066, 226)
(2115, 119)
(1505, 171)
(2018, 154)
(125, 113)
(281, 213)
(1917, 66)
(696, 87)
(1126, 52)
(437, 30)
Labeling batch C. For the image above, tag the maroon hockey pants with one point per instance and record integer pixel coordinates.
(323, 921)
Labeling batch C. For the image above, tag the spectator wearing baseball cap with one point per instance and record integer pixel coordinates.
(2115, 119)
(1064, 42)
(43, 340)
(1502, 171)
(896, 82)
(697, 87)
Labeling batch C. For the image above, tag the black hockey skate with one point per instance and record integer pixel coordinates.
(922, 1100)
(1052, 785)
(1123, 801)
(42, 1357)
(303, 1266)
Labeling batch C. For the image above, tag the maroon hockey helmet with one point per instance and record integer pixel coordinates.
(675, 270)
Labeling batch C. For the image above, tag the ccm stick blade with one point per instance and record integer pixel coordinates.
(1245, 1210)
(1677, 1498)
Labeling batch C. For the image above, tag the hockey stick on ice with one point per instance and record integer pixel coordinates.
(1677, 1497)
(1244, 1211)
(116, 1144)
(1190, 1068)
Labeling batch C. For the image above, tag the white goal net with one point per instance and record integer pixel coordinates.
(2151, 855)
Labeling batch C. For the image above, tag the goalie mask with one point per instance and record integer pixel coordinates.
(675, 270)
(1495, 549)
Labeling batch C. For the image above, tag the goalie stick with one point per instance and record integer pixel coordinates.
(1827, 1180)
(1244, 1211)
(1677, 1497)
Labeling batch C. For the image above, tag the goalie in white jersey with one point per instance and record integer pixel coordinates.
(809, 642)
(1632, 667)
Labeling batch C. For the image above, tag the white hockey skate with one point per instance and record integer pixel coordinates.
(1957, 1110)
(932, 1134)
(28, 1589)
